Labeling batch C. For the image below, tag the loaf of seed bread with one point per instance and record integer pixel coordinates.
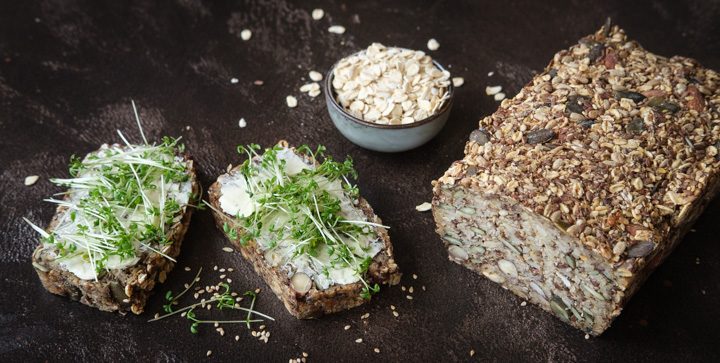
(120, 290)
(315, 302)
(576, 189)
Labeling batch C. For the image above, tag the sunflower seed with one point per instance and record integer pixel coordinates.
(540, 136)
(636, 97)
(641, 249)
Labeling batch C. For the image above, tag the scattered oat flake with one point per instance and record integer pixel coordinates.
(237, 337)
(242, 123)
(499, 96)
(30, 180)
(234, 80)
(587, 336)
(492, 90)
(433, 44)
(423, 207)
(458, 81)
(523, 303)
(208, 353)
(291, 101)
(414, 277)
(396, 314)
(490, 74)
(358, 340)
(258, 82)
(315, 76)
(472, 352)
(246, 34)
(376, 350)
(318, 14)
(347, 327)
(227, 249)
(187, 268)
(337, 29)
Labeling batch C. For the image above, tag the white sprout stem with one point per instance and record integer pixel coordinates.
(37, 229)
(137, 118)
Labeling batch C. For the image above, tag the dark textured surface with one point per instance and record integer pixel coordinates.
(69, 68)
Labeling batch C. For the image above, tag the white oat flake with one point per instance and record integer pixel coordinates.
(492, 90)
(246, 34)
(423, 207)
(315, 76)
(337, 29)
(499, 96)
(318, 14)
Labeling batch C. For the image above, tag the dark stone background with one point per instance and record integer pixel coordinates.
(68, 70)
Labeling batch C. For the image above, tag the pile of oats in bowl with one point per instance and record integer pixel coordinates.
(389, 85)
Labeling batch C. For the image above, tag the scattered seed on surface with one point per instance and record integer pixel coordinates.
(358, 340)
(347, 327)
(409, 297)
(458, 81)
(187, 268)
(376, 350)
(258, 82)
(414, 276)
(242, 123)
(499, 96)
(365, 316)
(237, 337)
(246, 34)
(234, 80)
(492, 90)
(587, 336)
(396, 314)
(318, 14)
(433, 44)
(523, 303)
(490, 74)
(291, 101)
(337, 29)
(228, 249)
(208, 353)
(30, 180)
(472, 352)
(315, 76)
(423, 207)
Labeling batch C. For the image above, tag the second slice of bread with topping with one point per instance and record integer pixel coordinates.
(305, 229)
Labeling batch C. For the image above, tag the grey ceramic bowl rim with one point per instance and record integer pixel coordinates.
(330, 95)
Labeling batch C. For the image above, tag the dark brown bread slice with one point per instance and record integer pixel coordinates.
(119, 290)
(315, 303)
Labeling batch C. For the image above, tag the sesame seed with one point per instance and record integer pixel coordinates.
(403, 288)
(222, 276)
(392, 307)
(365, 316)
(187, 268)
(358, 340)
(587, 336)
(291, 101)
(258, 82)
(336, 29)
(347, 327)
(229, 281)
(234, 80)
(410, 290)
(215, 268)
(246, 34)
(241, 123)
(230, 269)
(396, 314)
(305, 355)
(433, 44)
(409, 297)
(318, 14)
(376, 350)
(237, 337)
(414, 277)
(257, 291)
(472, 352)
(208, 353)
(423, 287)
(523, 303)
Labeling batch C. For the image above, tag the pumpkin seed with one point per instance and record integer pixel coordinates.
(637, 125)
(480, 136)
(592, 292)
(586, 123)
(576, 103)
(559, 308)
(587, 315)
(453, 240)
(636, 97)
(538, 290)
(576, 313)
(508, 268)
(458, 253)
(540, 136)
(467, 210)
(641, 249)
(596, 51)
(570, 261)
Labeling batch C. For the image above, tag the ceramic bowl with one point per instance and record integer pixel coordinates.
(386, 138)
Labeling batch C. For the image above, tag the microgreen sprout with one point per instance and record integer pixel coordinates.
(121, 200)
(312, 205)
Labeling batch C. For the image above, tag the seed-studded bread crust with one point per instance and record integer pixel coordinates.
(613, 148)
(119, 290)
(315, 303)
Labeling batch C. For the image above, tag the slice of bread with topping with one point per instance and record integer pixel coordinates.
(120, 225)
(305, 229)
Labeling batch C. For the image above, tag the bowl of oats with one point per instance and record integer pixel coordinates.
(388, 99)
